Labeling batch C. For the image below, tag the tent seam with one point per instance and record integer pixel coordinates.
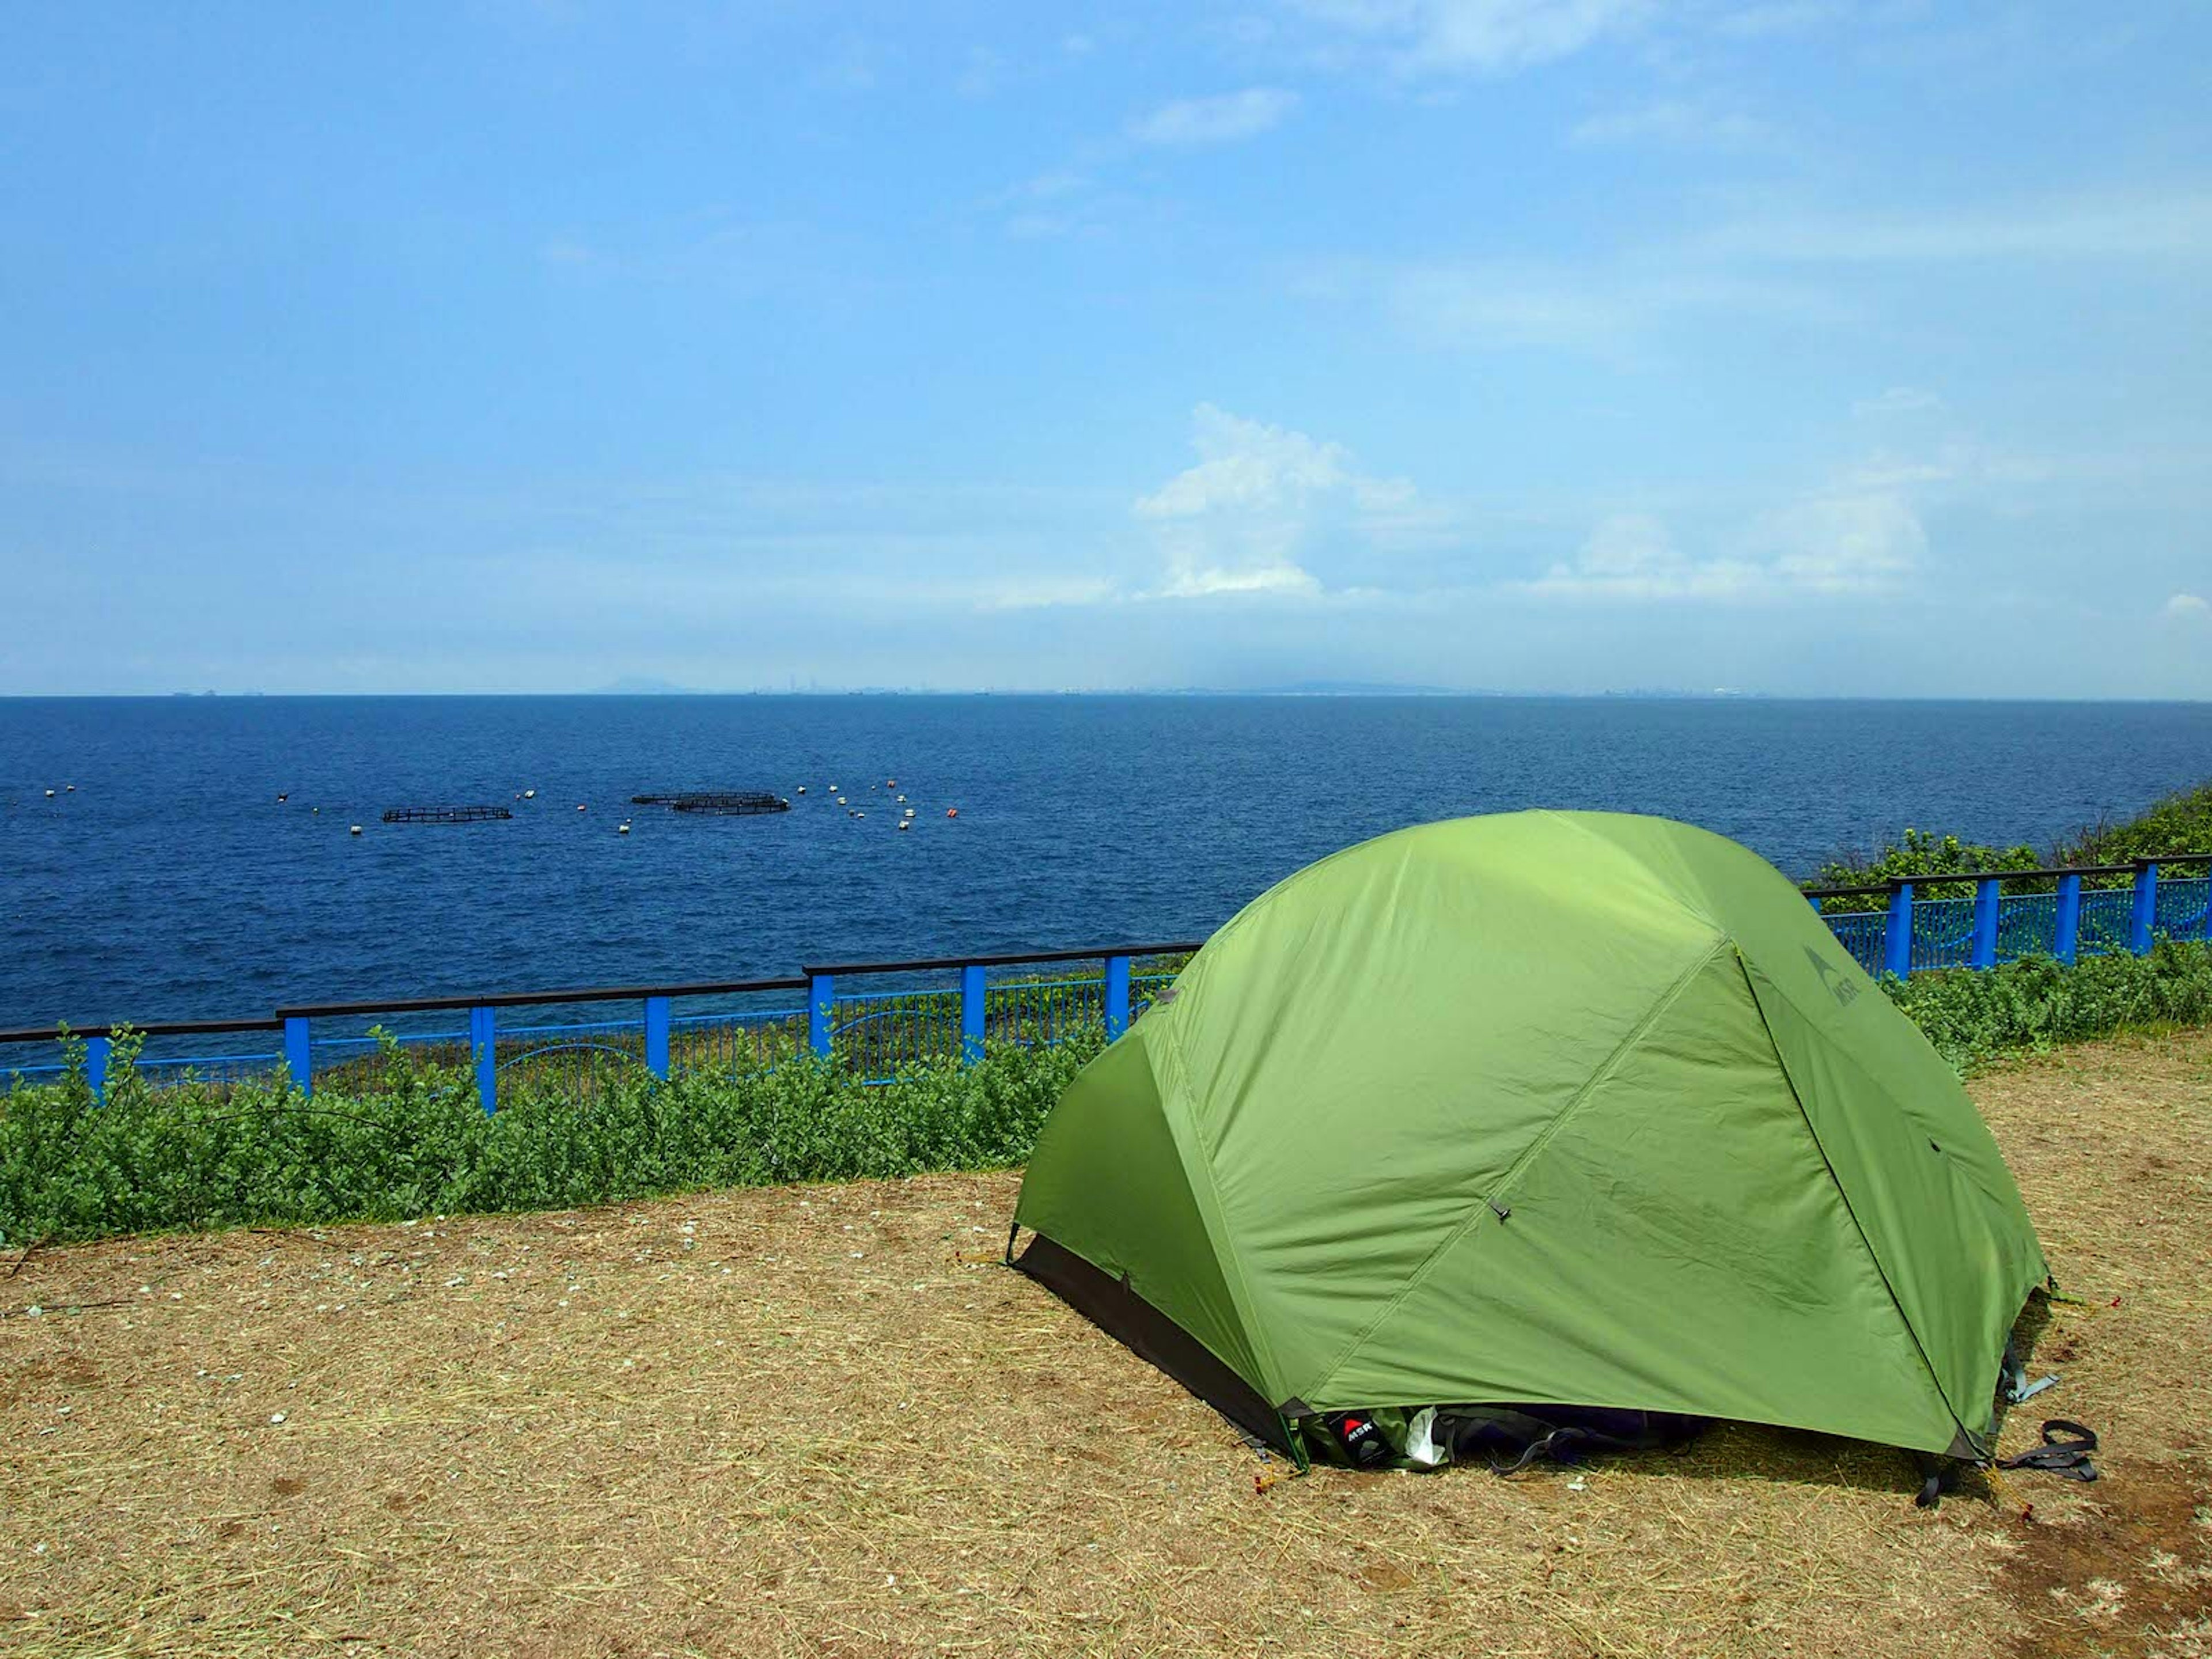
(1543, 1138)
(1208, 1195)
(1843, 1192)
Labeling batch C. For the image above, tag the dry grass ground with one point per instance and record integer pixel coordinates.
(823, 1421)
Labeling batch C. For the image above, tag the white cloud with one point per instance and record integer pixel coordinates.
(1221, 120)
(2106, 226)
(1672, 123)
(1631, 557)
(1487, 304)
(1483, 36)
(983, 73)
(1850, 541)
(1244, 517)
(1830, 545)
(1777, 17)
(1897, 400)
(1043, 592)
(2188, 607)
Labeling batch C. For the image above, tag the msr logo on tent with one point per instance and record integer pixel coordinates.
(1839, 987)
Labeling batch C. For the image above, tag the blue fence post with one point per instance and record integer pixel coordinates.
(1897, 932)
(483, 1043)
(1985, 923)
(2145, 907)
(1117, 996)
(656, 1036)
(299, 1058)
(2066, 939)
(95, 1068)
(972, 992)
(821, 992)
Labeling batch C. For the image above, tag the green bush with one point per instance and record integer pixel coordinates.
(410, 1139)
(1918, 856)
(2027, 1006)
(2180, 822)
(195, 1156)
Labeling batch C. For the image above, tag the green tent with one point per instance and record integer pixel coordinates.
(1574, 1109)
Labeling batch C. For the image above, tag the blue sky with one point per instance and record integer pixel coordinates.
(1550, 345)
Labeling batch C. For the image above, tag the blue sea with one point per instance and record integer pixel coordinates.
(171, 883)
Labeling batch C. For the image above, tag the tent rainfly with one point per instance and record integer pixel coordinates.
(1574, 1109)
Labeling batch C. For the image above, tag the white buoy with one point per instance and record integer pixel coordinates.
(356, 830)
(802, 788)
(860, 815)
(840, 799)
(909, 812)
(530, 794)
(890, 783)
(906, 824)
(70, 789)
(621, 829)
(50, 794)
(580, 807)
(902, 800)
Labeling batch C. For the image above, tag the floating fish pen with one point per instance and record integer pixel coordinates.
(446, 814)
(745, 804)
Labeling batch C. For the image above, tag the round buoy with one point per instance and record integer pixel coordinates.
(860, 815)
(951, 812)
(833, 788)
(68, 789)
(840, 800)
(50, 794)
(802, 788)
(530, 794)
(621, 829)
(356, 830)
(314, 809)
(279, 799)
(580, 807)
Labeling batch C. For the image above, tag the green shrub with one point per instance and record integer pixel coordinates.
(2180, 822)
(1919, 856)
(1974, 1018)
(408, 1137)
(193, 1156)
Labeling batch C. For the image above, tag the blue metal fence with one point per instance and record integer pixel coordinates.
(884, 1018)
(880, 1017)
(1912, 933)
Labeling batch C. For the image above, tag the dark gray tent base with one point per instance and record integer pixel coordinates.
(1119, 1311)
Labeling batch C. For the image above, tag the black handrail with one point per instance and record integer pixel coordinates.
(538, 998)
(175, 1028)
(1012, 959)
(1891, 883)
(596, 994)
(922, 964)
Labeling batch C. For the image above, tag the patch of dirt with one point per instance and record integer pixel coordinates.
(823, 1420)
(2125, 1575)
